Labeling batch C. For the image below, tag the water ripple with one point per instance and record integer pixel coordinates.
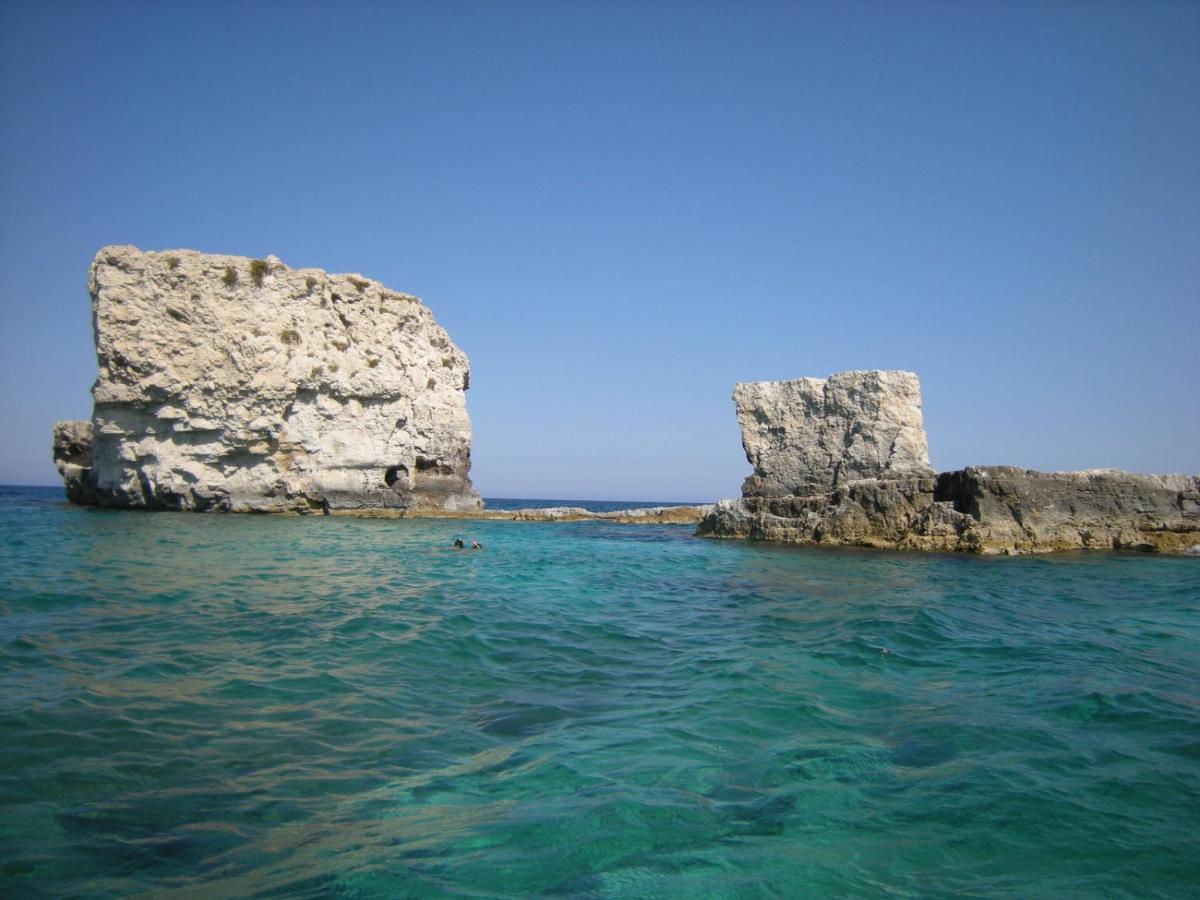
(238, 706)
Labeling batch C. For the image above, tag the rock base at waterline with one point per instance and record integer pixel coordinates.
(991, 510)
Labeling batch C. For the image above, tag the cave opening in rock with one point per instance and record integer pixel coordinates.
(433, 466)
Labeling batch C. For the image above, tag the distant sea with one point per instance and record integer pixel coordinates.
(591, 505)
(328, 706)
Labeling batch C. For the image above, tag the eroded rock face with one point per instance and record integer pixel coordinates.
(812, 435)
(243, 385)
(871, 513)
(998, 510)
(1024, 511)
(823, 476)
(72, 453)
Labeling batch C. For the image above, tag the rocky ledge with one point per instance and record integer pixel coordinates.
(653, 515)
(839, 461)
(235, 384)
(650, 515)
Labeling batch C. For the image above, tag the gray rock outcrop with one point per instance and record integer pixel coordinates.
(228, 383)
(815, 434)
(1016, 510)
(887, 513)
(855, 472)
(72, 454)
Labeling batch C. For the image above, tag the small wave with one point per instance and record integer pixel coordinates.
(317, 707)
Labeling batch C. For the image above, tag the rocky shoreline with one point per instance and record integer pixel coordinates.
(652, 515)
(996, 510)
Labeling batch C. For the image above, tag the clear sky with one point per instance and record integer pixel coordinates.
(620, 209)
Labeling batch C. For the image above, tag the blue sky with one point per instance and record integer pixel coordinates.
(620, 209)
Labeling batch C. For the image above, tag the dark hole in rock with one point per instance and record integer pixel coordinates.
(433, 466)
(393, 474)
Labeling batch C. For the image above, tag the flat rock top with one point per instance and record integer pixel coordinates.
(1098, 477)
(813, 434)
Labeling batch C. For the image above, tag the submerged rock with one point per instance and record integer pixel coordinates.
(240, 384)
(844, 461)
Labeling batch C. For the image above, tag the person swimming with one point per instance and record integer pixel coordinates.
(458, 543)
(475, 545)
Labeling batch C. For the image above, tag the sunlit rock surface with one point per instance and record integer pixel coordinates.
(237, 384)
(815, 434)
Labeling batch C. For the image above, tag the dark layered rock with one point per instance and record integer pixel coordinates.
(1025, 511)
(894, 512)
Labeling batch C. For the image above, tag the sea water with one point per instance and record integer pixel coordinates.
(275, 706)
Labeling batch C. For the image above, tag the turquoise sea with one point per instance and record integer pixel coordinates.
(333, 707)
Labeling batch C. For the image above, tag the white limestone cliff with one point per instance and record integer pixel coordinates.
(244, 385)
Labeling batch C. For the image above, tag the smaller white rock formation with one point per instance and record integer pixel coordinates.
(812, 435)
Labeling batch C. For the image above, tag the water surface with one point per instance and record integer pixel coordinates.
(240, 705)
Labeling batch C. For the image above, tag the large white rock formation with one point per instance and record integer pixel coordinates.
(815, 434)
(241, 384)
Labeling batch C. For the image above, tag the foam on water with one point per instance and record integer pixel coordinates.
(314, 706)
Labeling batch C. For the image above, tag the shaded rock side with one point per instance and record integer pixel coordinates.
(1017, 510)
(897, 513)
(815, 434)
(72, 454)
(238, 384)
